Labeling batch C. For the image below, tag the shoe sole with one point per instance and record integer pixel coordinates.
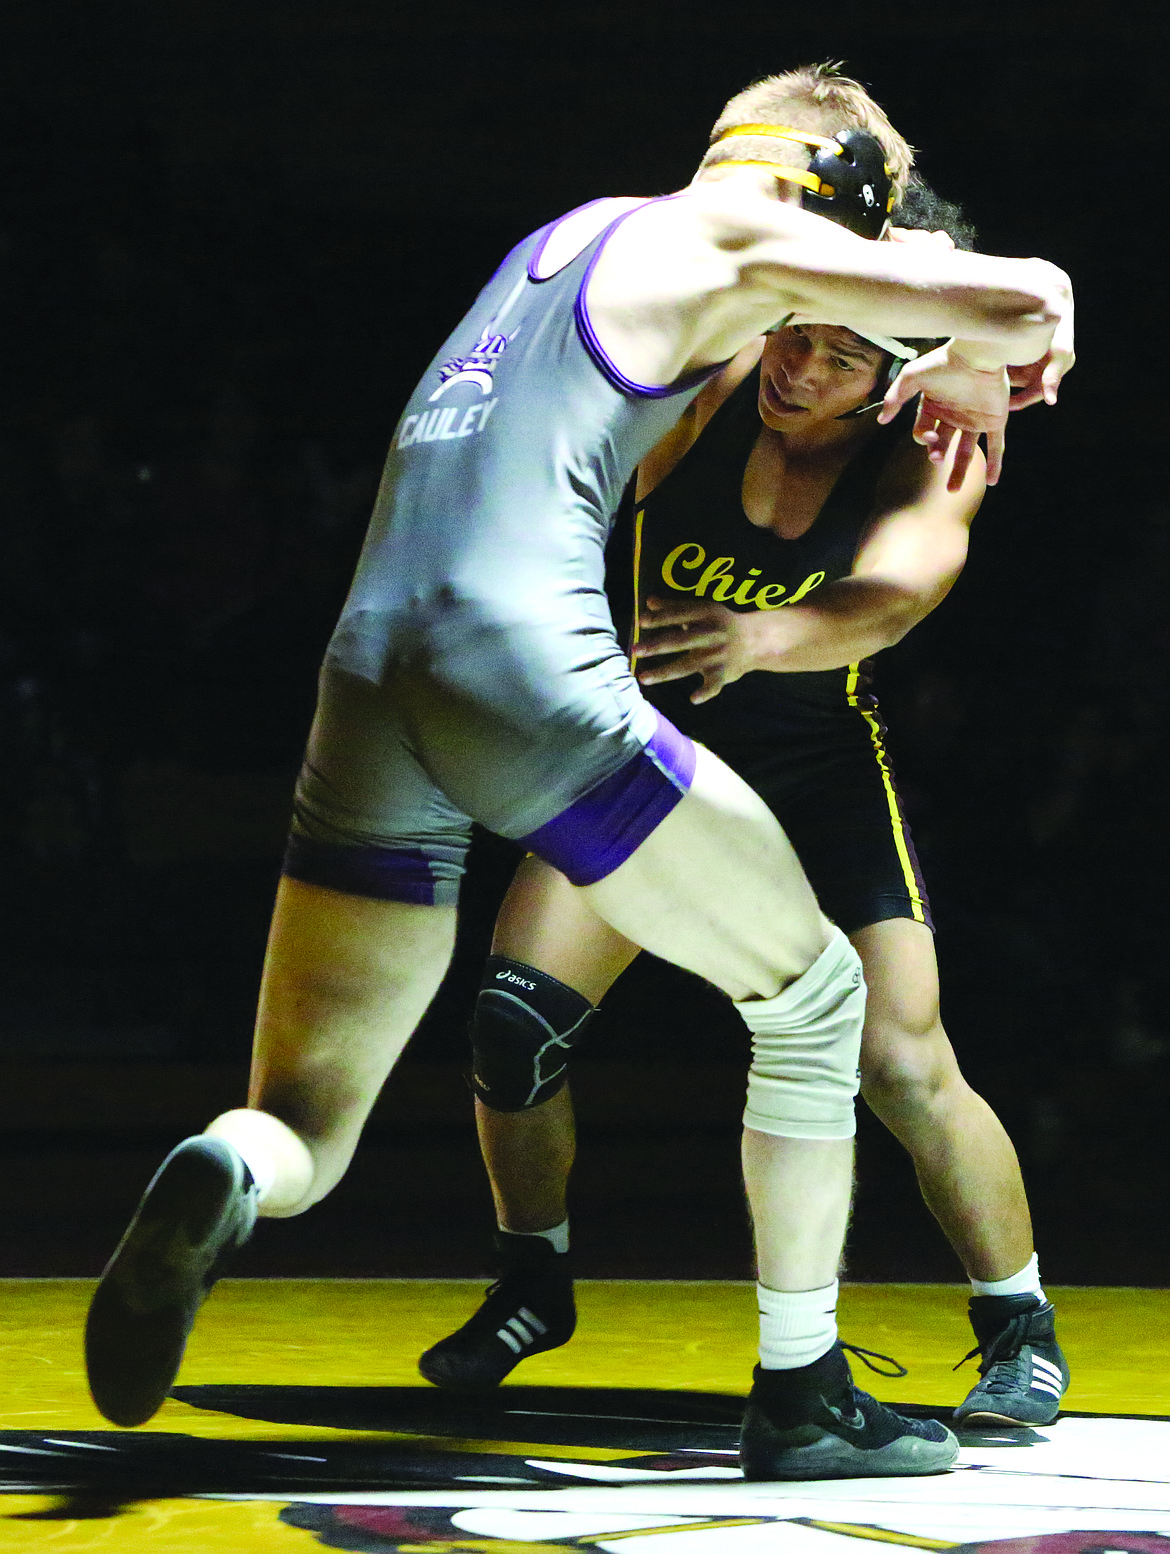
(831, 1457)
(983, 1418)
(450, 1381)
(441, 1370)
(161, 1273)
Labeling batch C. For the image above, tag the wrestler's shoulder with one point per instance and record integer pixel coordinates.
(573, 231)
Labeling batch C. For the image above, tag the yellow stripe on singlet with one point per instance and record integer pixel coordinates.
(897, 824)
(638, 516)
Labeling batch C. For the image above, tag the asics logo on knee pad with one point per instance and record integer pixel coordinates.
(521, 1034)
(509, 976)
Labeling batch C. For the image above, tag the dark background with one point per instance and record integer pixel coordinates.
(231, 236)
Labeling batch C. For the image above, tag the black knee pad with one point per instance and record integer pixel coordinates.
(524, 1025)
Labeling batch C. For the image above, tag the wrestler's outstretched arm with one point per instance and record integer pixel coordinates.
(684, 283)
(1030, 383)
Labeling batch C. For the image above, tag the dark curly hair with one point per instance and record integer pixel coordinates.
(923, 210)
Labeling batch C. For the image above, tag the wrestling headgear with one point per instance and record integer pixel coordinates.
(845, 179)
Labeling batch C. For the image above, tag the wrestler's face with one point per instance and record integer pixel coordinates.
(812, 373)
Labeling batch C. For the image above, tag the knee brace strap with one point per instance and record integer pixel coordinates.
(805, 1048)
(524, 1025)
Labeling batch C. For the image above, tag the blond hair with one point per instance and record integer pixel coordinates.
(817, 99)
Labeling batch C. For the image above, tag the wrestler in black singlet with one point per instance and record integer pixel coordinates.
(811, 744)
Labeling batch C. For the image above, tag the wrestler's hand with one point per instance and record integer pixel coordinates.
(919, 235)
(1041, 380)
(958, 400)
(706, 639)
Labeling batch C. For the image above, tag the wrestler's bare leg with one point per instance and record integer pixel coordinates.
(799, 1192)
(545, 917)
(967, 1168)
(545, 922)
(799, 1189)
(717, 889)
(346, 980)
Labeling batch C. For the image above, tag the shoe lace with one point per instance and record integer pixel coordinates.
(1006, 1345)
(868, 1356)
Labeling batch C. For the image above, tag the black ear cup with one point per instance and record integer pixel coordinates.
(862, 191)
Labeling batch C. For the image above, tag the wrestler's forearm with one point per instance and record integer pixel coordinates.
(1003, 311)
(851, 619)
(1007, 309)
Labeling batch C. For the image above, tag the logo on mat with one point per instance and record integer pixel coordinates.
(476, 367)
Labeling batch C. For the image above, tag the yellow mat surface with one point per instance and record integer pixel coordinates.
(686, 1336)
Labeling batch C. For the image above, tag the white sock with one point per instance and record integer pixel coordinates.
(280, 1162)
(1026, 1282)
(260, 1162)
(558, 1236)
(796, 1329)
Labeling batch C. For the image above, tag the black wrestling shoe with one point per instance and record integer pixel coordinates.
(529, 1309)
(199, 1208)
(1024, 1374)
(813, 1423)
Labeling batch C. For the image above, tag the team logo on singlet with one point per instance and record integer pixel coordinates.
(447, 423)
(692, 557)
(476, 367)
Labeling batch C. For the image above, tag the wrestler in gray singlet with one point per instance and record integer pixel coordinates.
(475, 671)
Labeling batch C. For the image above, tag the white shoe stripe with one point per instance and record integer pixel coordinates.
(520, 1330)
(509, 1340)
(1046, 1367)
(532, 1321)
(1045, 1386)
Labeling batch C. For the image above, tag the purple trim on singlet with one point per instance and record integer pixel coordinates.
(594, 347)
(534, 256)
(399, 874)
(601, 829)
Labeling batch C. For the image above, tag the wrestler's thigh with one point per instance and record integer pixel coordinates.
(903, 1044)
(548, 923)
(346, 981)
(901, 974)
(717, 888)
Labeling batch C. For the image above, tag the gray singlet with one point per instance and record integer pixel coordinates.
(475, 671)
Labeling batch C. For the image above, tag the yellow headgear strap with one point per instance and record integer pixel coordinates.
(782, 132)
(798, 175)
(788, 174)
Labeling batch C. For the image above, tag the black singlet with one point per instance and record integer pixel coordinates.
(691, 536)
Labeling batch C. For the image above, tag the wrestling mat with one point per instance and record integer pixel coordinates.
(301, 1424)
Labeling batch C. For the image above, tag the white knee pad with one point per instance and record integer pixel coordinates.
(805, 1044)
